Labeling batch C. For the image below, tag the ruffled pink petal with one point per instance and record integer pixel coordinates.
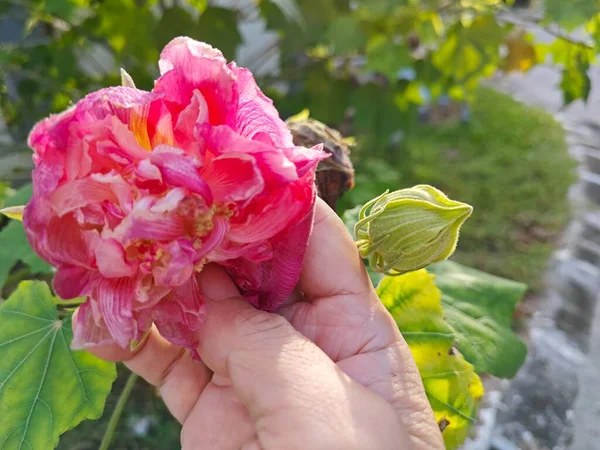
(179, 265)
(275, 167)
(196, 113)
(144, 224)
(111, 260)
(180, 170)
(79, 193)
(114, 298)
(256, 116)
(227, 250)
(233, 177)
(89, 332)
(187, 65)
(272, 213)
(306, 159)
(169, 202)
(216, 236)
(115, 141)
(180, 314)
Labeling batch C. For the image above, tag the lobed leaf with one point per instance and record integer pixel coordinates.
(45, 387)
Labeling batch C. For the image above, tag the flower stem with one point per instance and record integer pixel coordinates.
(118, 411)
(74, 302)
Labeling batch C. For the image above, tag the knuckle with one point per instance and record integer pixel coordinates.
(254, 324)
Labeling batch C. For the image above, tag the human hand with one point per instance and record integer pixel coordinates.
(329, 371)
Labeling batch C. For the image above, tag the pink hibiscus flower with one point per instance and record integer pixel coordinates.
(135, 192)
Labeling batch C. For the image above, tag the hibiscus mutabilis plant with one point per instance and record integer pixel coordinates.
(134, 192)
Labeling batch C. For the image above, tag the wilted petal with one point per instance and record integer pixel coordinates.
(179, 264)
(144, 224)
(80, 193)
(180, 314)
(69, 244)
(87, 331)
(114, 298)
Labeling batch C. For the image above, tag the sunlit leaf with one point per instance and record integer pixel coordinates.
(576, 83)
(45, 387)
(479, 308)
(451, 385)
(570, 14)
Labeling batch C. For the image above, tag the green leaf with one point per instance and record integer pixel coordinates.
(572, 14)
(45, 387)
(576, 83)
(451, 385)
(479, 307)
(218, 27)
(470, 52)
(386, 57)
(345, 35)
(198, 5)
(14, 246)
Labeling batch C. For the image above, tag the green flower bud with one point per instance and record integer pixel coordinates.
(409, 229)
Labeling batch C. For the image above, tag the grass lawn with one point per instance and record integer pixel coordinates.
(510, 162)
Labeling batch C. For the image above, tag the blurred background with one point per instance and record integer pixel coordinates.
(493, 101)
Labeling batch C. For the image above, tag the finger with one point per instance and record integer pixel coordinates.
(332, 263)
(179, 378)
(219, 420)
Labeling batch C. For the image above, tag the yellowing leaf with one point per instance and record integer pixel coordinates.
(521, 55)
(452, 386)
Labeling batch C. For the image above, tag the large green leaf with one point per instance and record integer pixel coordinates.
(479, 308)
(452, 386)
(571, 14)
(14, 246)
(45, 387)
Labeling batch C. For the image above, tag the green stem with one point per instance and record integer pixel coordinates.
(74, 302)
(116, 415)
